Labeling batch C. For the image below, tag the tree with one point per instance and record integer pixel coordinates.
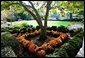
(47, 6)
(38, 18)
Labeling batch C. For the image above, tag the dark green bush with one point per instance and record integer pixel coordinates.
(11, 29)
(73, 46)
(54, 28)
(29, 29)
(62, 53)
(78, 30)
(30, 26)
(14, 30)
(3, 29)
(70, 48)
(58, 52)
(7, 52)
(72, 33)
(9, 20)
(37, 27)
(33, 29)
(49, 28)
(8, 39)
(62, 29)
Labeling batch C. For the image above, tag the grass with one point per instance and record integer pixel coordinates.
(49, 23)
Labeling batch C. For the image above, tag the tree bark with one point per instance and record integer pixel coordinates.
(34, 16)
(46, 16)
(43, 29)
(37, 14)
(38, 19)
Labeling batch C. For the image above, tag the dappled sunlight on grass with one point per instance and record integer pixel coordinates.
(59, 23)
(49, 23)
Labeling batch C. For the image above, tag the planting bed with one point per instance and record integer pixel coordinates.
(56, 39)
(31, 45)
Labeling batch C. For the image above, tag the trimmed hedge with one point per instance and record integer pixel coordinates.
(62, 29)
(37, 27)
(54, 28)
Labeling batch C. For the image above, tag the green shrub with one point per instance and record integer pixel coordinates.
(15, 29)
(3, 29)
(58, 52)
(37, 27)
(62, 53)
(21, 25)
(11, 29)
(70, 48)
(49, 28)
(7, 52)
(52, 55)
(78, 30)
(23, 30)
(24, 25)
(8, 39)
(54, 28)
(62, 29)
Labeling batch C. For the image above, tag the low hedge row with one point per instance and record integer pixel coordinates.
(30, 28)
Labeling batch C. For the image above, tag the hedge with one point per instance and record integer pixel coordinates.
(70, 48)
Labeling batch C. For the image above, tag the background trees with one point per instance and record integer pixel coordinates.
(42, 10)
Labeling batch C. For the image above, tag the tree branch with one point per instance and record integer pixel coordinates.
(31, 14)
(47, 12)
(40, 6)
(38, 16)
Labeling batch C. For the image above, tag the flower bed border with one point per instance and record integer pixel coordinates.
(43, 49)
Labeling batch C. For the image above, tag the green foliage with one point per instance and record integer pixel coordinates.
(20, 16)
(16, 28)
(7, 52)
(8, 39)
(21, 25)
(54, 28)
(16, 9)
(74, 45)
(23, 15)
(62, 29)
(79, 30)
(37, 27)
(11, 30)
(3, 29)
(70, 48)
(58, 52)
(57, 6)
(62, 53)
(9, 20)
(49, 28)
(24, 25)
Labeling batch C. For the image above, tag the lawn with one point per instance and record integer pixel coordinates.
(49, 23)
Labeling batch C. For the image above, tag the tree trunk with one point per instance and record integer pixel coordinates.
(34, 16)
(46, 16)
(43, 33)
(70, 15)
(38, 19)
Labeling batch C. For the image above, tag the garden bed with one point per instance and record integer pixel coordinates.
(44, 49)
